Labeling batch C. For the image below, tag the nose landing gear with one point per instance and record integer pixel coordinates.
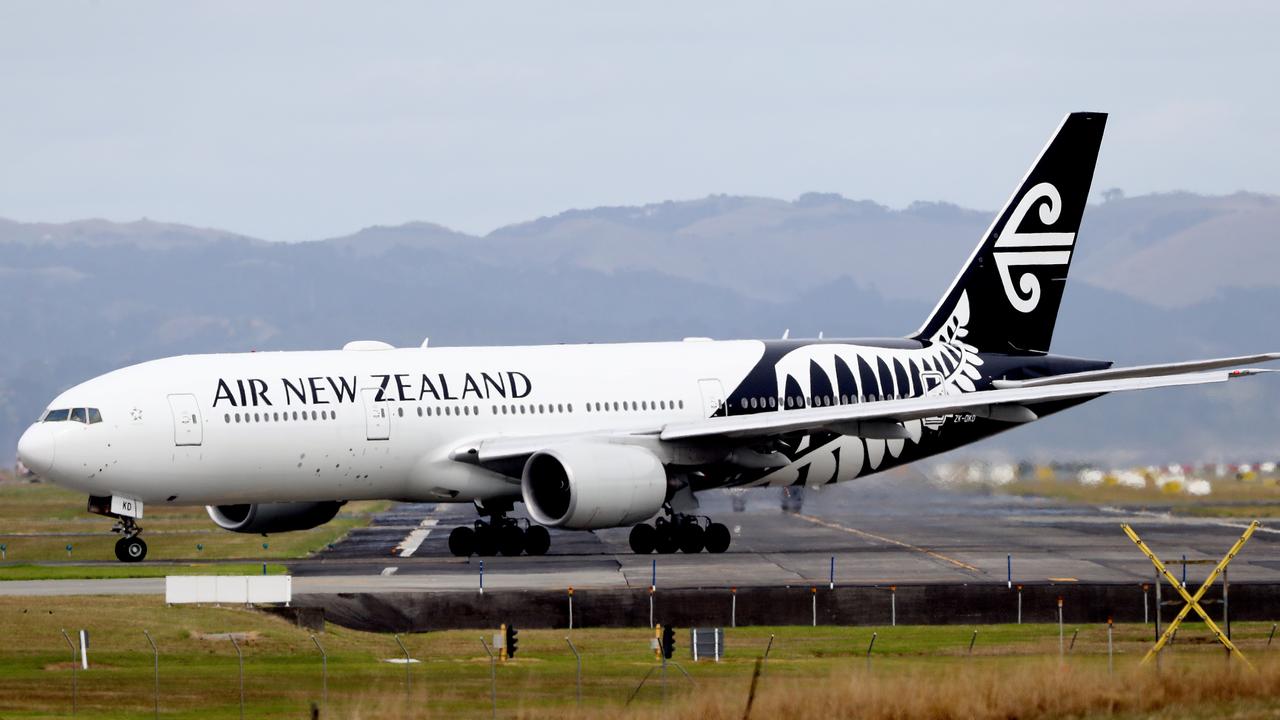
(130, 547)
(688, 533)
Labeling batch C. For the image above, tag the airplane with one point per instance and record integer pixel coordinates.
(599, 435)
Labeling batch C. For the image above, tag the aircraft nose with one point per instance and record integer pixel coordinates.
(35, 448)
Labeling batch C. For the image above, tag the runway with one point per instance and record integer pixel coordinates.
(884, 530)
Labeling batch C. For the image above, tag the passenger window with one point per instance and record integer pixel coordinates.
(419, 411)
(681, 404)
(79, 415)
(313, 414)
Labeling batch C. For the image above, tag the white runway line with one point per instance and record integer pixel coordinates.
(389, 571)
(413, 540)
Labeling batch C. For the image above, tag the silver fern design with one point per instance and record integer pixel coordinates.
(947, 365)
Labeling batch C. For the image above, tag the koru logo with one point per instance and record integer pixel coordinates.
(1015, 249)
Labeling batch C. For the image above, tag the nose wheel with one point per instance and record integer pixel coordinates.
(686, 533)
(131, 549)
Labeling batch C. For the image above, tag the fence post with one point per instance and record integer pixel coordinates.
(578, 658)
(893, 606)
(493, 676)
(1111, 663)
(764, 659)
(155, 651)
(408, 678)
(1145, 614)
(870, 645)
(1062, 638)
(481, 577)
(1159, 612)
(1226, 617)
(832, 576)
(74, 689)
(240, 659)
(324, 673)
(973, 640)
(814, 592)
(570, 609)
(1019, 604)
(653, 588)
(733, 607)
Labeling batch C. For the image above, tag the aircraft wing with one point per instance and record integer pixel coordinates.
(1015, 404)
(1012, 401)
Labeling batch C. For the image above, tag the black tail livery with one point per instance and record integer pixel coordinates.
(1011, 287)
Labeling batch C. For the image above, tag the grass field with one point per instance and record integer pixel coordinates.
(1014, 670)
(38, 521)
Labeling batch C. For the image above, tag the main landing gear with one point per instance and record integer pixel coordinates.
(688, 533)
(499, 534)
(130, 547)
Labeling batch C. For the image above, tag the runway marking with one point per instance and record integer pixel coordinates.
(410, 544)
(872, 536)
(389, 571)
(1180, 520)
(1062, 580)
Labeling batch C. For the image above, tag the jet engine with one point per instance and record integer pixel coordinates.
(273, 517)
(587, 486)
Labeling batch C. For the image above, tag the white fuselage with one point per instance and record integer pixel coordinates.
(358, 424)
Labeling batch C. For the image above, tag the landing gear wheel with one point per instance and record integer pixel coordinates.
(717, 538)
(462, 541)
(486, 540)
(691, 538)
(537, 540)
(642, 539)
(510, 540)
(665, 540)
(131, 549)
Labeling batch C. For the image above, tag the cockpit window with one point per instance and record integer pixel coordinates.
(88, 416)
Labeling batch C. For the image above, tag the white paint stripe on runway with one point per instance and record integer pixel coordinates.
(413, 540)
(1180, 520)
(389, 571)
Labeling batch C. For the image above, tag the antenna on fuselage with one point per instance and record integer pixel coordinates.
(786, 333)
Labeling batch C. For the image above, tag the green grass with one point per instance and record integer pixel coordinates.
(38, 521)
(282, 665)
(131, 570)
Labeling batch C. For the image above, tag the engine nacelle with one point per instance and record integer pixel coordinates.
(589, 486)
(273, 517)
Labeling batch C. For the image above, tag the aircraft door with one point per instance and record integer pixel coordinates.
(712, 398)
(932, 381)
(377, 419)
(187, 429)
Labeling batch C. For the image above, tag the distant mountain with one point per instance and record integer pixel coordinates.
(1157, 277)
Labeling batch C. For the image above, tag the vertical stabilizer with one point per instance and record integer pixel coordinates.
(1012, 284)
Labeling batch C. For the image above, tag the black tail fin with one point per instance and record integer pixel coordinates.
(1008, 293)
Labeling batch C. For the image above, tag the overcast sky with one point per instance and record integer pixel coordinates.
(303, 120)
